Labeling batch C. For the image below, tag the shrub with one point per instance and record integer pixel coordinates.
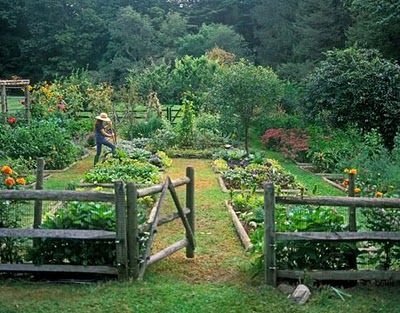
(387, 254)
(28, 142)
(143, 128)
(356, 86)
(292, 143)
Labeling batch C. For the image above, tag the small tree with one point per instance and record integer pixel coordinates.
(244, 90)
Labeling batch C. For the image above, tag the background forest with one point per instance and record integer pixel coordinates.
(44, 38)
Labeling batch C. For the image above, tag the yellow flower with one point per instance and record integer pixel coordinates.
(21, 181)
(379, 194)
(357, 190)
(9, 181)
(6, 170)
(353, 171)
(346, 170)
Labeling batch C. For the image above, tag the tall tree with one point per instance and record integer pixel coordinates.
(213, 35)
(132, 41)
(274, 30)
(243, 91)
(376, 25)
(319, 26)
(63, 35)
(13, 31)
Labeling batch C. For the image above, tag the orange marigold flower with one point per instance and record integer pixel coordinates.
(353, 171)
(9, 181)
(379, 194)
(21, 181)
(345, 183)
(357, 190)
(6, 170)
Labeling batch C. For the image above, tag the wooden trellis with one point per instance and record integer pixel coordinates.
(16, 84)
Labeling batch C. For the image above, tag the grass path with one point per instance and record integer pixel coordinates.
(219, 255)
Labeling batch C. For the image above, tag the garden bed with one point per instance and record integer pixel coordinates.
(240, 229)
(224, 189)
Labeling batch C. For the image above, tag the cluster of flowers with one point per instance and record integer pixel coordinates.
(11, 120)
(11, 178)
(291, 142)
(357, 190)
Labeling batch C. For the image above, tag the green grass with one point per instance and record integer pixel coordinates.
(160, 294)
(218, 279)
(14, 104)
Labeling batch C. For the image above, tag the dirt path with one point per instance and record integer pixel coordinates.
(219, 255)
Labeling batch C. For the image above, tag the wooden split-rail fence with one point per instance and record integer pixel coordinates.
(129, 263)
(271, 236)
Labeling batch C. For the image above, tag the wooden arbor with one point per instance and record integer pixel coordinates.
(15, 84)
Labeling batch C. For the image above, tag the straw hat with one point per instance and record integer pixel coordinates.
(103, 117)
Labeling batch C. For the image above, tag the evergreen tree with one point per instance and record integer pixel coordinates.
(376, 25)
(274, 30)
(319, 26)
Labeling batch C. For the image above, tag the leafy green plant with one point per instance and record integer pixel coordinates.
(384, 255)
(306, 255)
(186, 128)
(126, 170)
(27, 142)
(85, 252)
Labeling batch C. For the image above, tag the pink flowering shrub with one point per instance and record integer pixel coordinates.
(293, 143)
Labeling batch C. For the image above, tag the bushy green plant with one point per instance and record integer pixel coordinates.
(356, 86)
(386, 254)
(126, 170)
(143, 128)
(28, 142)
(306, 255)
(69, 95)
(79, 215)
(186, 128)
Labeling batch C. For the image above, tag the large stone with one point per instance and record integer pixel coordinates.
(301, 294)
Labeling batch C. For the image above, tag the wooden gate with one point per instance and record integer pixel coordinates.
(129, 262)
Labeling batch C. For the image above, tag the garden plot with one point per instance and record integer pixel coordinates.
(241, 172)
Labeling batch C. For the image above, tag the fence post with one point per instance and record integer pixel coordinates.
(3, 103)
(352, 219)
(269, 235)
(120, 240)
(133, 231)
(38, 208)
(190, 205)
(27, 104)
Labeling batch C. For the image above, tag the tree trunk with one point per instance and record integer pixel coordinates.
(246, 139)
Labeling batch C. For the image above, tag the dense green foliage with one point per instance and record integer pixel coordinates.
(242, 92)
(27, 141)
(126, 170)
(42, 39)
(356, 86)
